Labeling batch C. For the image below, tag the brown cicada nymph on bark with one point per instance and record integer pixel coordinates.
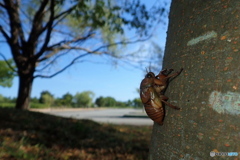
(152, 89)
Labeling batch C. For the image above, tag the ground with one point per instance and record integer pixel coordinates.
(27, 135)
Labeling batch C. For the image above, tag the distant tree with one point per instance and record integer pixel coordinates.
(67, 99)
(120, 104)
(35, 100)
(83, 99)
(10, 99)
(7, 99)
(100, 102)
(39, 33)
(129, 103)
(58, 102)
(1, 98)
(137, 103)
(110, 102)
(46, 98)
(6, 74)
(106, 102)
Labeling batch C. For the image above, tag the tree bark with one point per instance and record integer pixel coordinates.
(24, 92)
(203, 38)
(26, 69)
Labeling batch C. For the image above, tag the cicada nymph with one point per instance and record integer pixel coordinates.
(152, 89)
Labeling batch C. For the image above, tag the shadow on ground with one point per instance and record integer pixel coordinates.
(33, 135)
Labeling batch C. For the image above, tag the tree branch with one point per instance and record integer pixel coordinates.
(5, 35)
(2, 5)
(88, 52)
(62, 45)
(9, 65)
(69, 49)
(49, 30)
(15, 23)
(64, 42)
(52, 61)
(65, 13)
(63, 69)
(37, 23)
(61, 16)
(122, 43)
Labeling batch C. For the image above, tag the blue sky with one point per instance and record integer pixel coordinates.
(103, 78)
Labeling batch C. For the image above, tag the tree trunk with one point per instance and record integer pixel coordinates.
(24, 91)
(203, 38)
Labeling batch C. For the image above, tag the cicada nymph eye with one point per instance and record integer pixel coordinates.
(150, 75)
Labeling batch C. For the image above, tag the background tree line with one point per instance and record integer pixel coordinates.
(83, 99)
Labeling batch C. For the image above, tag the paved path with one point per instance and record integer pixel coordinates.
(114, 116)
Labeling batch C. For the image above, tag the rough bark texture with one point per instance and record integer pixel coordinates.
(26, 70)
(203, 38)
(24, 92)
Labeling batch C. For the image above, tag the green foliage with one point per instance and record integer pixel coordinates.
(137, 103)
(38, 105)
(110, 18)
(7, 104)
(96, 15)
(1, 98)
(83, 99)
(120, 104)
(58, 102)
(113, 15)
(105, 102)
(99, 101)
(129, 103)
(34, 100)
(67, 99)
(110, 101)
(46, 98)
(6, 74)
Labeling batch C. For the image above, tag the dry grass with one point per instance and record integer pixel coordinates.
(26, 135)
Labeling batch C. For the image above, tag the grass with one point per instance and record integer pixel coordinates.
(38, 105)
(7, 104)
(26, 135)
